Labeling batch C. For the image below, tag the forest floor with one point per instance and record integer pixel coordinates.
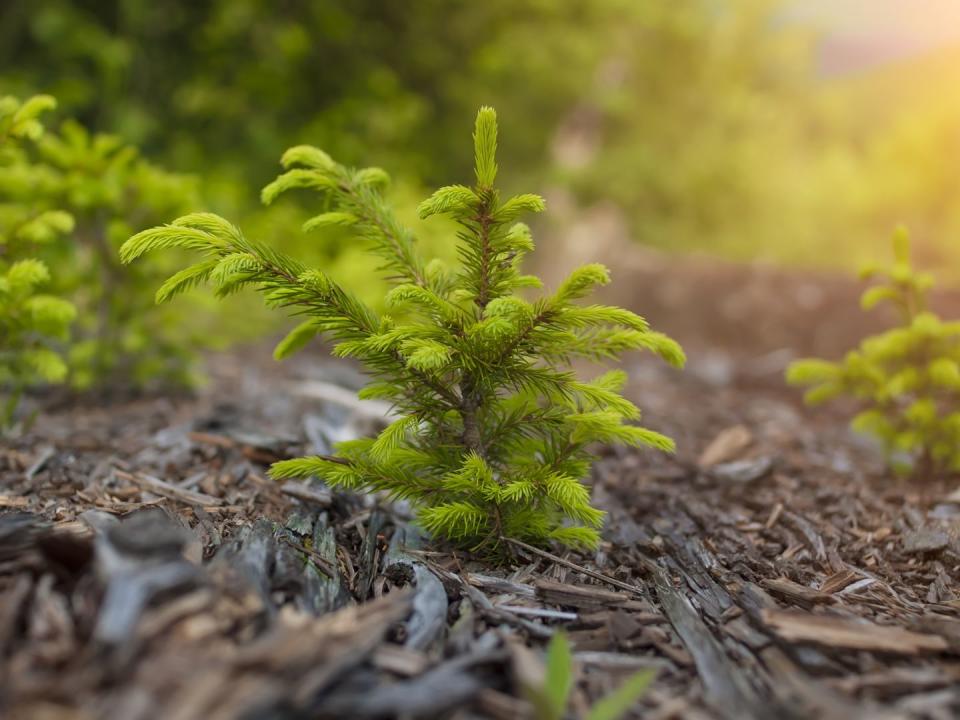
(771, 569)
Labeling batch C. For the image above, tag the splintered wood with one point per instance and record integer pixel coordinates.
(851, 633)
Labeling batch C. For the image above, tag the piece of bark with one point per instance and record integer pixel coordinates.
(802, 696)
(369, 555)
(728, 445)
(168, 490)
(428, 619)
(311, 494)
(838, 581)
(795, 592)
(853, 634)
(448, 685)
(742, 472)
(399, 660)
(500, 585)
(579, 596)
(726, 689)
(925, 541)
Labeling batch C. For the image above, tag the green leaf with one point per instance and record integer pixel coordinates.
(452, 198)
(307, 156)
(166, 237)
(582, 281)
(901, 245)
(515, 206)
(295, 179)
(390, 439)
(372, 177)
(296, 339)
(875, 295)
(558, 682)
(186, 279)
(330, 219)
(618, 703)
(485, 147)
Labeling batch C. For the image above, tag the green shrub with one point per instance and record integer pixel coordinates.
(32, 323)
(907, 379)
(121, 337)
(494, 430)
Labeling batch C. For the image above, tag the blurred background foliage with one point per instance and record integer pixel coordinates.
(741, 128)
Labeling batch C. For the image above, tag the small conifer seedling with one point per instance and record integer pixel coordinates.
(494, 431)
(33, 323)
(906, 379)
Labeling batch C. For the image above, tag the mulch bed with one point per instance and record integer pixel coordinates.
(148, 569)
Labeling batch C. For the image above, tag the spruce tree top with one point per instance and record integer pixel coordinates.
(494, 431)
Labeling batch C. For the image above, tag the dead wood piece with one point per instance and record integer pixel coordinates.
(742, 472)
(527, 668)
(330, 644)
(619, 661)
(728, 445)
(540, 612)
(927, 540)
(321, 497)
(428, 619)
(15, 502)
(448, 685)
(399, 660)
(369, 555)
(946, 628)
(326, 593)
(579, 596)
(488, 610)
(128, 593)
(854, 634)
(795, 592)
(318, 560)
(891, 682)
(838, 581)
(501, 585)
(502, 706)
(726, 689)
(810, 534)
(168, 490)
(801, 696)
(12, 602)
(574, 566)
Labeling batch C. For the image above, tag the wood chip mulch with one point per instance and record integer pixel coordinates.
(149, 569)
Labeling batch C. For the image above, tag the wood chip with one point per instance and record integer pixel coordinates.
(726, 446)
(168, 490)
(795, 592)
(580, 596)
(853, 634)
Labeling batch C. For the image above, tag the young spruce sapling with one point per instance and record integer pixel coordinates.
(33, 323)
(907, 379)
(495, 431)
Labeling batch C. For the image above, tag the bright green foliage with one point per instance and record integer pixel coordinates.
(32, 324)
(121, 335)
(907, 378)
(550, 701)
(494, 431)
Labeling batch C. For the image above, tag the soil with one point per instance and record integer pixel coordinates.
(771, 569)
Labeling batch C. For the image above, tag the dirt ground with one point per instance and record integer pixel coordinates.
(771, 569)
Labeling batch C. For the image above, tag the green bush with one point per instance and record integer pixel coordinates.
(32, 324)
(494, 430)
(907, 379)
(121, 337)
